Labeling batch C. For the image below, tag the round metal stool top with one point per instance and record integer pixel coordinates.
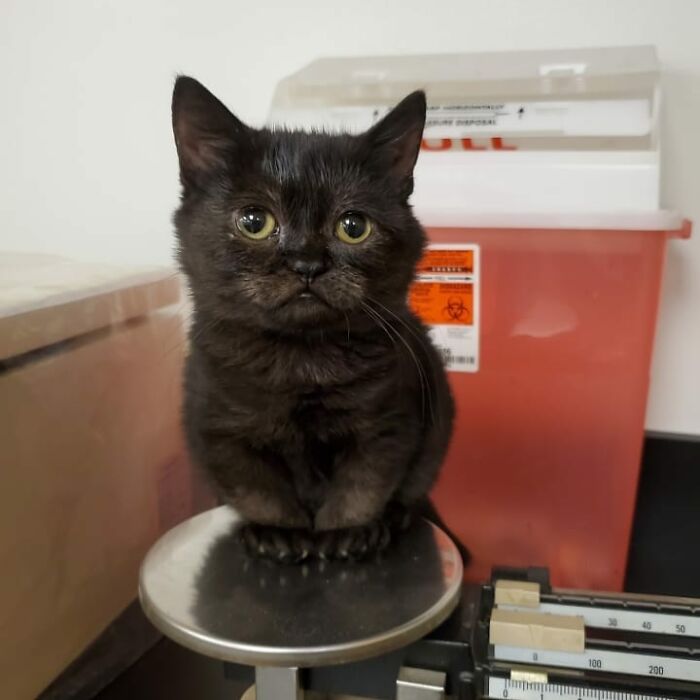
(200, 588)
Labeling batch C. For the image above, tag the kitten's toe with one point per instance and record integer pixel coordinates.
(398, 517)
(372, 538)
(259, 540)
(325, 545)
(250, 536)
(299, 544)
(281, 547)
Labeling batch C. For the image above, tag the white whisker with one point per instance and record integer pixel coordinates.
(422, 377)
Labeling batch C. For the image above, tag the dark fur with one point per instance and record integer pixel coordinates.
(323, 421)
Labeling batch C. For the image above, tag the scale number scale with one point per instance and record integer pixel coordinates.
(652, 666)
(622, 619)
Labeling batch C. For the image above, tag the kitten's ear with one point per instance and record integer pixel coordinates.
(205, 131)
(398, 135)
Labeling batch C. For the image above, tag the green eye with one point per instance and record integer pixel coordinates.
(255, 223)
(353, 227)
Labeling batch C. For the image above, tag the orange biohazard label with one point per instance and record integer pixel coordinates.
(445, 296)
(436, 303)
(437, 260)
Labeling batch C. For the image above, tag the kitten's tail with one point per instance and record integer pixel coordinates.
(426, 509)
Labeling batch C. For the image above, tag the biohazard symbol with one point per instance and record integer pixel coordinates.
(455, 308)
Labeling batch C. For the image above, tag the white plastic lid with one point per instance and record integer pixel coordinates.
(612, 72)
(561, 132)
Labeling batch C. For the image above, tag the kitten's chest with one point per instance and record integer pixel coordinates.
(301, 367)
(325, 416)
(290, 396)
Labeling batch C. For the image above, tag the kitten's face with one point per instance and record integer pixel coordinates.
(287, 230)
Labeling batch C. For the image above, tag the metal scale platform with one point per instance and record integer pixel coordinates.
(403, 626)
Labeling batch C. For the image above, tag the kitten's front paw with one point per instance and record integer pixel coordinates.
(353, 542)
(286, 545)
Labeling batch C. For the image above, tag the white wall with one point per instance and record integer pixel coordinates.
(87, 166)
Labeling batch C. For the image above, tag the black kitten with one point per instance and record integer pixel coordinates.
(313, 396)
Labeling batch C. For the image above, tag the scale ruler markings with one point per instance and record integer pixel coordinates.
(522, 690)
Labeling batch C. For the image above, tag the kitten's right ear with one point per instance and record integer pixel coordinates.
(206, 132)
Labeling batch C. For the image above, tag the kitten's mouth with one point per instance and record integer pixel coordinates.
(308, 295)
(305, 298)
(309, 299)
(304, 308)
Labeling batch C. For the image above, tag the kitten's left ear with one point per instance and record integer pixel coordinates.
(398, 135)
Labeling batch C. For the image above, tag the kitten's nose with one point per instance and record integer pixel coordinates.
(307, 269)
